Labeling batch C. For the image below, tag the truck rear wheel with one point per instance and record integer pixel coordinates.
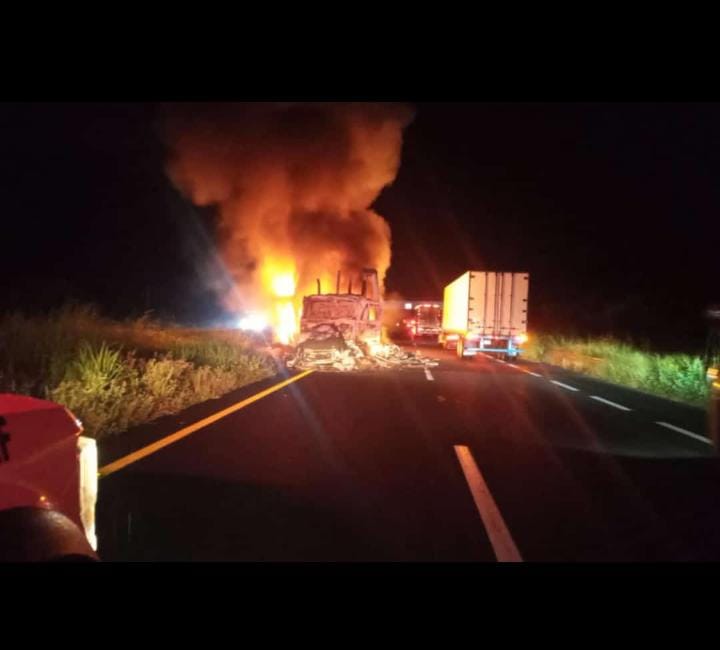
(460, 349)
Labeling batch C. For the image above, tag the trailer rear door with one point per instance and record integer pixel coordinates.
(498, 303)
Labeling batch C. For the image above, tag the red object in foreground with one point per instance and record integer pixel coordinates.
(47, 469)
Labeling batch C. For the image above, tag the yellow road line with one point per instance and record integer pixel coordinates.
(174, 437)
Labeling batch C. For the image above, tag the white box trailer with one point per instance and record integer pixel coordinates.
(485, 311)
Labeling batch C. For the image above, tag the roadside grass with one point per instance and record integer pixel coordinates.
(113, 375)
(679, 377)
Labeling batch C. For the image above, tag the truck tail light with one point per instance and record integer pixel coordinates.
(88, 458)
(452, 337)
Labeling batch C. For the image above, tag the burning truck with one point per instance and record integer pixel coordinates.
(343, 331)
(335, 327)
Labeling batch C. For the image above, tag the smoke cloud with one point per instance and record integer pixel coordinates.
(292, 183)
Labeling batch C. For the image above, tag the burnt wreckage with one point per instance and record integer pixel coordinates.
(343, 331)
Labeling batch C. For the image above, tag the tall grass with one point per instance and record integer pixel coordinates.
(113, 374)
(676, 376)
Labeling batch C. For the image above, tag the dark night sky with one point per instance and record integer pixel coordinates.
(611, 207)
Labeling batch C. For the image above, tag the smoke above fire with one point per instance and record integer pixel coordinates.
(293, 185)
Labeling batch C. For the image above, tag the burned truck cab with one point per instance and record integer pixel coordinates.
(332, 323)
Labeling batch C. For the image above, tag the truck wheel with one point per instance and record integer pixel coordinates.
(39, 535)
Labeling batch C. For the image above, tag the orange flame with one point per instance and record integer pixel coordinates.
(293, 185)
(279, 283)
(286, 325)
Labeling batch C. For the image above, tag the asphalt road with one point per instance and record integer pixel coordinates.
(475, 461)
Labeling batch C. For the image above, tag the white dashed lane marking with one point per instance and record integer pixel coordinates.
(620, 407)
(559, 383)
(609, 403)
(529, 372)
(685, 432)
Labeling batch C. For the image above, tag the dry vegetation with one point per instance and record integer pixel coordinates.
(114, 375)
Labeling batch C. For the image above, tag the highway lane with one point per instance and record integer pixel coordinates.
(365, 466)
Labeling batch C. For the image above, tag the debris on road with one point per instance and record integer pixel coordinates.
(354, 358)
(325, 348)
(393, 356)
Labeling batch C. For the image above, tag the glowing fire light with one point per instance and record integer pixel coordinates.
(286, 324)
(282, 286)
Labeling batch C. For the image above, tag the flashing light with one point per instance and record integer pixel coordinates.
(253, 323)
(408, 305)
(521, 338)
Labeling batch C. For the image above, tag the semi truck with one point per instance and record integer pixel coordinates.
(330, 321)
(485, 311)
(427, 320)
(415, 320)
